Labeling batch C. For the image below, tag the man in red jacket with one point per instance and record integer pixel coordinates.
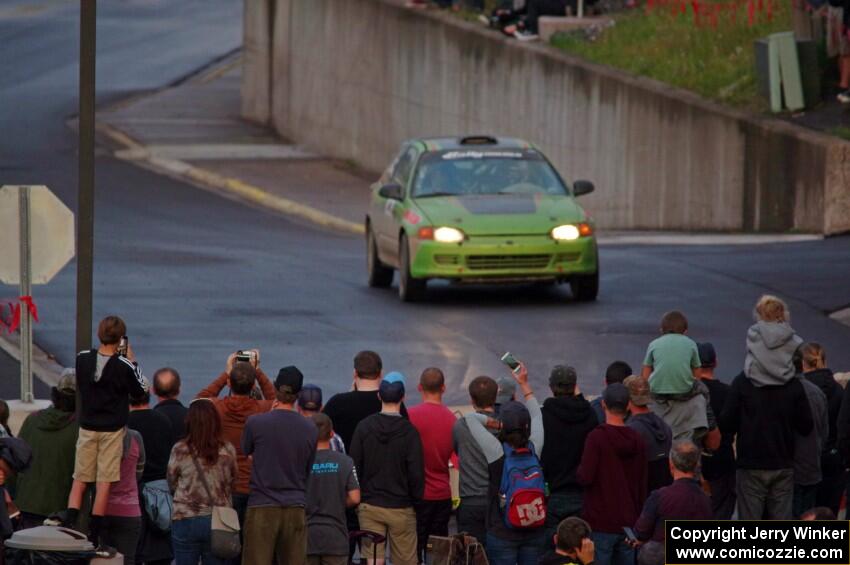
(235, 408)
(613, 472)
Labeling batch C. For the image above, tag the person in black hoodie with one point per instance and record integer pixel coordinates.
(813, 358)
(656, 434)
(567, 419)
(387, 452)
(767, 405)
(765, 419)
(718, 465)
(106, 377)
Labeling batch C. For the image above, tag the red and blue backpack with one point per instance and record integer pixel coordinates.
(522, 489)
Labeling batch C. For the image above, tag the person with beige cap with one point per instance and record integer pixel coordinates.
(657, 435)
(52, 433)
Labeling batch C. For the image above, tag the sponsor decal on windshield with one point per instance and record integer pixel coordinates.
(482, 155)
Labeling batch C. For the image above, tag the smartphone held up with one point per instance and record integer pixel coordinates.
(247, 356)
(123, 346)
(511, 361)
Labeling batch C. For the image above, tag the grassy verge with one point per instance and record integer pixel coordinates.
(716, 62)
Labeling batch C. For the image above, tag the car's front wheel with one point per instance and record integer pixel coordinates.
(585, 287)
(380, 276)
(409, 289)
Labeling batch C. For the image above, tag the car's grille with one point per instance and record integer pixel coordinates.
(486, 262)
(567, 257)
(447, 259)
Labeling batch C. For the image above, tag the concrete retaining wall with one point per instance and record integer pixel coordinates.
(352, 79)
(257, 26)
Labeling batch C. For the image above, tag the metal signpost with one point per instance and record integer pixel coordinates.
(26, 290)
(85, 190)
(39, 248)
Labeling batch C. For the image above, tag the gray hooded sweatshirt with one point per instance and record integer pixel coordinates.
(770, 352)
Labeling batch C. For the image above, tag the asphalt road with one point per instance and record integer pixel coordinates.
(197, 275)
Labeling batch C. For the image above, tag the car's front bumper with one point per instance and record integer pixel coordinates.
(504, 259)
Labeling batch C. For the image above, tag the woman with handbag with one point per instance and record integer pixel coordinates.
(201, 472)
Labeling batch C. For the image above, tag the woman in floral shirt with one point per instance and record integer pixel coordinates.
(192, 514)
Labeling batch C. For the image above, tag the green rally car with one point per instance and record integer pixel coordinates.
(478, 210)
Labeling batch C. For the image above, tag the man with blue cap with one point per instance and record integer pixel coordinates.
(387, 452)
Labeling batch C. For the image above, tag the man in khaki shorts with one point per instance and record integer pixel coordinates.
(387, 451)
(106, 378)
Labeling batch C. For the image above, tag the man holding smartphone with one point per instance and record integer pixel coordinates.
(106, 379)
(235, 409)
(521, 432)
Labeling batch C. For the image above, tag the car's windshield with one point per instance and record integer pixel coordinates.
(485, 172)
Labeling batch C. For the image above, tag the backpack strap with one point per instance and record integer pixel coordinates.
(203, 479)
(506, 449)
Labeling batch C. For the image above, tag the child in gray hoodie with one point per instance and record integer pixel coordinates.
(771, 343)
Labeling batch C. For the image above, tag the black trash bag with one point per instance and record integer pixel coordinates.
(36, 557)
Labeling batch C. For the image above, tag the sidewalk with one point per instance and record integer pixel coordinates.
(829, 117)
(194, 131)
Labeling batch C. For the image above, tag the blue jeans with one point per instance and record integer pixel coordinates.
(559, 506)
(240, 504)
(190, 538)
(506, 552)
(612, 549)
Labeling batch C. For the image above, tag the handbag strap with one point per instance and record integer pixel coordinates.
(203, 480)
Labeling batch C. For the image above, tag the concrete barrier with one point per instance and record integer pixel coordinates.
(353, 79)
(257, 26)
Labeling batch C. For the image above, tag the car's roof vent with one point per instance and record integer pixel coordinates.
(479, 140)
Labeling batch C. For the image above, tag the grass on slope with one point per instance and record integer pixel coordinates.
(716, 62)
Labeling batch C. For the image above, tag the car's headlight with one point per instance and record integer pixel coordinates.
(448, 235)
(565, 233)
(570, 232)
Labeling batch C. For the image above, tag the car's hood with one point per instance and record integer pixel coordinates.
(505, 214)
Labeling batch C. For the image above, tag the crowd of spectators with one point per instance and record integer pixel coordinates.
(317, 483)
(514, 18)
(826, 22)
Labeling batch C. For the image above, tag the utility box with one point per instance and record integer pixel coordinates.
(778, 72)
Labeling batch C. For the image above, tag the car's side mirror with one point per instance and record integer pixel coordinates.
(391, 191)
(582, 187)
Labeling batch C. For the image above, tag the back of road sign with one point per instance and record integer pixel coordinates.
(52, 234)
